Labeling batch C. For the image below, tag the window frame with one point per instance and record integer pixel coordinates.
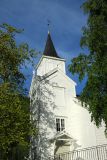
(60, 124)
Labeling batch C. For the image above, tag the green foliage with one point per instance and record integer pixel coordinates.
(13, 56)
(15, 124)
(94, 64)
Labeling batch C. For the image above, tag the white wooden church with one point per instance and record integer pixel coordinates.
(63, 124)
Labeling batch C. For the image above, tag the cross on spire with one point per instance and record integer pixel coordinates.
(49, 22)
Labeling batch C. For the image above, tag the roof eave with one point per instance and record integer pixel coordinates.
(43, 56)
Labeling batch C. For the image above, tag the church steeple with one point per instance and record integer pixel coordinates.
(49, 48)
(50, 59)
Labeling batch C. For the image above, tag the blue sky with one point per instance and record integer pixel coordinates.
(67, 19)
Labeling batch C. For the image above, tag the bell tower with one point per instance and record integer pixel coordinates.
(50, 59)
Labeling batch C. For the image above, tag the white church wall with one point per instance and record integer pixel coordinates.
(100, 136)
(48, 64)
(63, 81)
(42, 109)
(77, 119)
(56, 96)
(81, 127)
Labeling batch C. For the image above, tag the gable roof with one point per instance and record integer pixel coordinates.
(49, 48)
(63, 135)
(58, 70)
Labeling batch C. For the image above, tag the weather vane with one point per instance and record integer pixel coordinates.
(49, 22)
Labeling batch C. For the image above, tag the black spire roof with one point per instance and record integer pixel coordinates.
(49, 48)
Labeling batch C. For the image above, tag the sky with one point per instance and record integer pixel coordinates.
(66, 22)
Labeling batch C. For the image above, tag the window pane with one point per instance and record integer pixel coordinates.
(57, 120)
(62, 124)
(58, 124)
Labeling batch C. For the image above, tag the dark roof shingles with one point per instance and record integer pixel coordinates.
(49, 48)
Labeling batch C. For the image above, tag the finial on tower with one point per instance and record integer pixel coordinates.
(49, 22)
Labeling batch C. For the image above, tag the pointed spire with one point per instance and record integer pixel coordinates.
(49, 48)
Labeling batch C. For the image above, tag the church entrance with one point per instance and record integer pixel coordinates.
(63, 143)
(62, 147)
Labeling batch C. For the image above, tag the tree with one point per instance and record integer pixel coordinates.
(15, 123)
(94, 63)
